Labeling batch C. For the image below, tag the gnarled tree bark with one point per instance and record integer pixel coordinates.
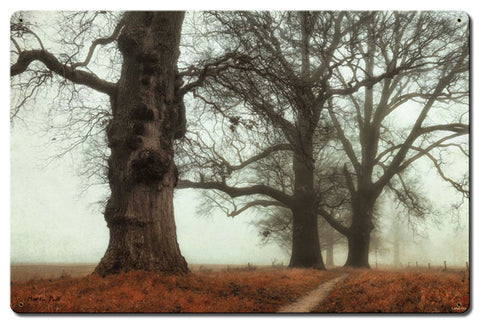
(147, 116)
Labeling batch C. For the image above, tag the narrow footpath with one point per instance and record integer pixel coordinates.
(309, 302)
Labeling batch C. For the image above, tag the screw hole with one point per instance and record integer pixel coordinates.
(459, 20)
(20, 304)
(20, 20)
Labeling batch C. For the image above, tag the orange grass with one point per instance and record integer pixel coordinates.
(239, 291)
(400, 292)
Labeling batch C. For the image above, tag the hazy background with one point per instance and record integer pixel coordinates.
(53, 221)
(470, 6)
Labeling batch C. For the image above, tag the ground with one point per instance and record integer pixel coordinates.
(405, 291)
(206, 289)
(227, 289)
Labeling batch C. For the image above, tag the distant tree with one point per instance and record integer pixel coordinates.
(397, 234)
(280, 80)
(276, 226)
(145, 116)
(329, 238)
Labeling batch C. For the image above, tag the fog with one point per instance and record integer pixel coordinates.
(55, 219)
(51, 221)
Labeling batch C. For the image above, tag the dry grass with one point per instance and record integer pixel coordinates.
(400, 292)
(233, 291)
(25, 272)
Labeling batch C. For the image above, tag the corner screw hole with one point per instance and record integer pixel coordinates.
(20, 304)
(459, 20)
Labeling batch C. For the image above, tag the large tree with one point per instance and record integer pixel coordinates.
(281, 74)
(417, 113)
(366, 70)
(146, 116)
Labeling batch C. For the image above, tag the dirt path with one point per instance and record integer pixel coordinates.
(307, 303)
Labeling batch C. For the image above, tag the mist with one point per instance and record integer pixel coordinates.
(57, 214)
(54, 221)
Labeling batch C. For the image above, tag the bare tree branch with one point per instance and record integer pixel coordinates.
(238, 191)
(266, 152)
(52, 63)
(333, 222)
(416, 129)
(347, 145)
(255, 203)
(100, 41)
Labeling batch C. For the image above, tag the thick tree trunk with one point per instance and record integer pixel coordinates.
(305, 243)
(358, 247)
(359, 236)
(147, 115)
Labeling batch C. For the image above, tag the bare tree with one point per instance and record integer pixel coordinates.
(281, 72)
(363, 69)
(145, 115)
(433, 91)
(275, 226)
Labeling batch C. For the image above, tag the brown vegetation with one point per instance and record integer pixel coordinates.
(26, 272)
(400, 292)
(229, 291)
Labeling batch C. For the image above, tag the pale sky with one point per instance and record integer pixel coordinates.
(52, 222)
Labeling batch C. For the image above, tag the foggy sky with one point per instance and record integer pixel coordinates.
(52, 222)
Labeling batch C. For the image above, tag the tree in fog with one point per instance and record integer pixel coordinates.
(275, 226)
(397, 235)
(430, 98)
(331, 198)
(280, 80)
(144, 117)
(365, 70)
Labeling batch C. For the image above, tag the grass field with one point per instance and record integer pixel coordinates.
(227, 289)
(408, 291)
(233, 289)
(26, 272)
